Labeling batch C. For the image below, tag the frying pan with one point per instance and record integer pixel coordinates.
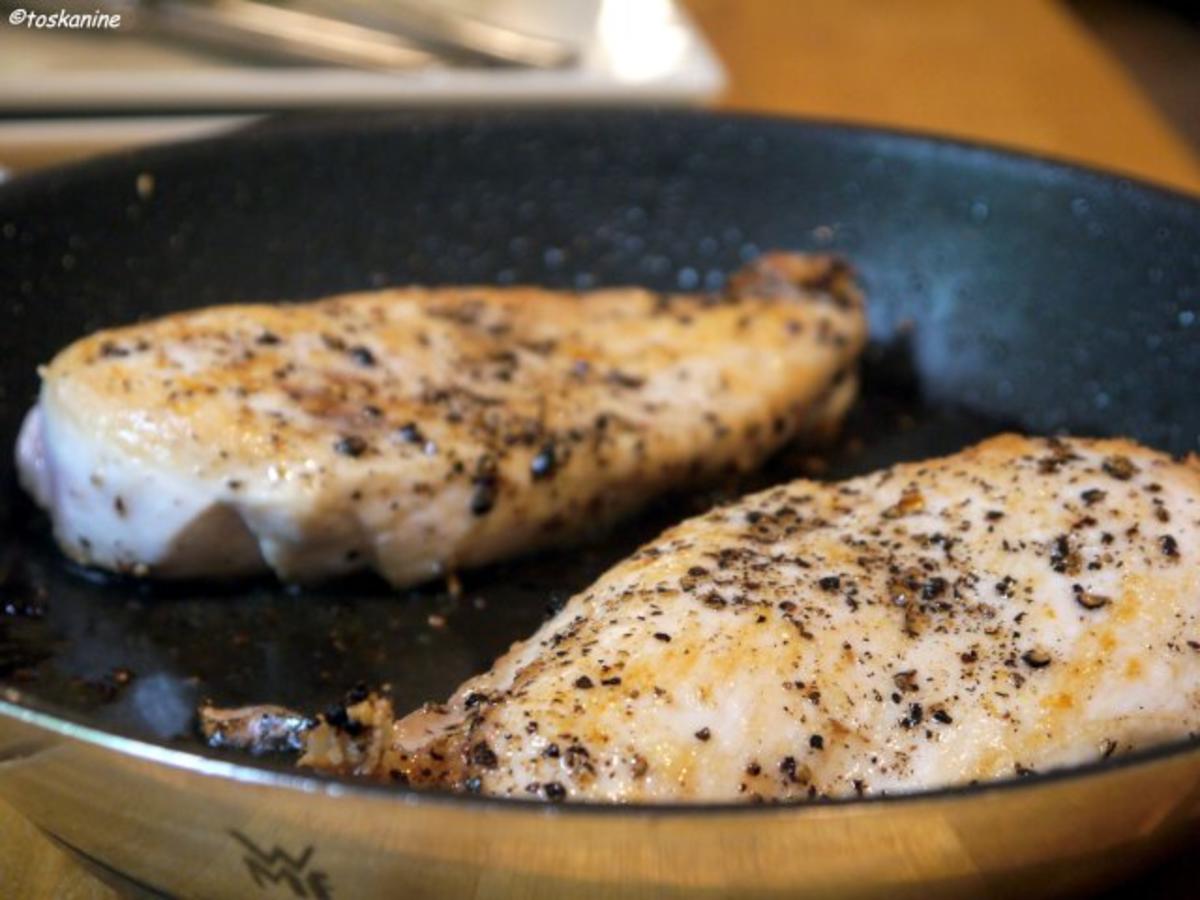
(1005, 292)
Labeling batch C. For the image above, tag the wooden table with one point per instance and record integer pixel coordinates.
(1023, 73)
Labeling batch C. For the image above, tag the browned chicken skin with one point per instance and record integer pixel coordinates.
(1023, 605)
(413, 431)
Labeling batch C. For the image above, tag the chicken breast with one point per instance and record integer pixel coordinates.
(414, 431)
(1024, 605)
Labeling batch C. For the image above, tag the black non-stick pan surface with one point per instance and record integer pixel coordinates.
(1005, 292)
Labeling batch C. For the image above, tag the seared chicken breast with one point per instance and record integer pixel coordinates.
(1024, 605)
(412, 431)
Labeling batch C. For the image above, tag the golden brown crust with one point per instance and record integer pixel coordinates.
(421, 429)
(1022, 605)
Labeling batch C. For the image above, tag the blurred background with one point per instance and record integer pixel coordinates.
(1112, 83)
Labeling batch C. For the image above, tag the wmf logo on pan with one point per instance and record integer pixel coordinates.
(276, 867)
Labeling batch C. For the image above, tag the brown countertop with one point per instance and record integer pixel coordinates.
(1026, 74)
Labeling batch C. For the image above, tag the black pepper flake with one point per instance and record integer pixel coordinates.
(611, 682)
(473, 785)
(551, 751)
(473, 699)
(350, 445)
(1119, 467)
(830, 583)
(1036, 658)
(1063, 557)
(624, 379)
(109, 349)
(584, 683)
(914, 716)
(703, 734)
(993, 515)
(482, 755)
(816, 742)
(544, 464)
(933, 588)
(362, 355)
(577, 756)
(1092, 496)
(483, 497)
(662, 636)
(554, 791)
(410, 434)
(1087, 599)
(1169, 546)
(906, 681)
(337, 717)
(268, 338)
(940, 715)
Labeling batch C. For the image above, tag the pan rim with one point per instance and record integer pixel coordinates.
(17, 705)
(287, 125)
(208, 764)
